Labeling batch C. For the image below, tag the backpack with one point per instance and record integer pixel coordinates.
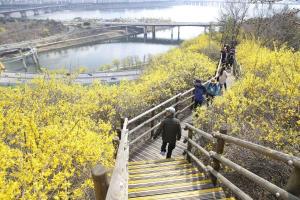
(213, 89)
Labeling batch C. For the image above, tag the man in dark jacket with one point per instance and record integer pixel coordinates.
(170, 130)
(199, 91)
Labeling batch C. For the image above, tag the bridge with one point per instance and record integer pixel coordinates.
(152, 25)
(202, 24)
(21, 53)
(35, 10)
(155, 41)
(198, 168)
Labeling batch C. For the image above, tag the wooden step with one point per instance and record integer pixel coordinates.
(166, 180)
(156, 161)
(160, 168)
(207, 194)
(169, 188)
(150, 165)
(170, 179)
(169, 173)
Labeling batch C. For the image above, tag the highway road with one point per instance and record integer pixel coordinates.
(11, 79)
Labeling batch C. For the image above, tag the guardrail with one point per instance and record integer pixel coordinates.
(219, 139)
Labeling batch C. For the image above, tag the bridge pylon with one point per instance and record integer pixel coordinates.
(23, 14)
(36, 12)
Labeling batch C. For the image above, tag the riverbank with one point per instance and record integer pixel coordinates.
(20, 30)
(82, 32)
(62, 36)
(103, 35)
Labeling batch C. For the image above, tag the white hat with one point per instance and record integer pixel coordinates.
(171, 110)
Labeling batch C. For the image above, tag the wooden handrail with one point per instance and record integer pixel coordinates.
(154, 108)
(180, 95)
(199, 163)
(201, 149)
(144, 134)
(125, 124)
(118, 187)
(188, 91)
(277, 155)
(186, 99)
(241, 194)
(150, 120)
(279, 192)
(203, 133)
(147, 121)
(168, 100)
(291, 160)
(156, 116)
(182, 110)
(219, 66)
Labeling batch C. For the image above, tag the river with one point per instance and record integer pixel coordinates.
(93, 56)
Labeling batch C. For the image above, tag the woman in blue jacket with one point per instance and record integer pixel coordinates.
(212, 89)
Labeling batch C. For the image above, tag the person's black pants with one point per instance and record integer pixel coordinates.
(209, 98)
(225, 86)
(197, 103)
(171, 146)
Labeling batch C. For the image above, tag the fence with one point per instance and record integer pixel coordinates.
(218, 139)
(143, 127)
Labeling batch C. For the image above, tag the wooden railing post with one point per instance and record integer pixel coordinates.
(116, 140)
(293, 185)
(153, 121)
(176, 101)
(219, 148)
(189, 145)
(122, 119)
(100, 182)
(193, 100)
(116, 143)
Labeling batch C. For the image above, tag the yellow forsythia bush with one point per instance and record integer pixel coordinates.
(263, 106)
(52, 132)
(50, 139)
(167, 75)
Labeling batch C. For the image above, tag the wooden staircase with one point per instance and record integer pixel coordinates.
(169, 179)
(136, 177)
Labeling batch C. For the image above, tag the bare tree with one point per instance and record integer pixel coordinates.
(280, 26)
(232, 16)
